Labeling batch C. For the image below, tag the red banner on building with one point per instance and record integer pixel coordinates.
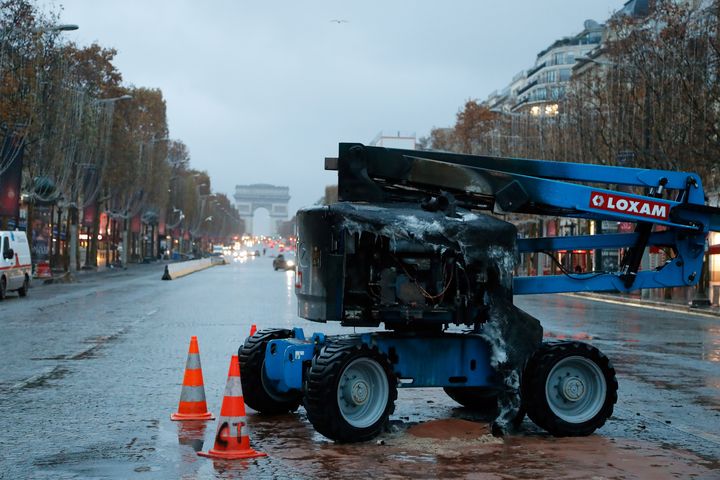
(626, 227)
(161, 225)
(89, 213)
(11, 157)
(103, 223)
(135, 224)
(551, 228)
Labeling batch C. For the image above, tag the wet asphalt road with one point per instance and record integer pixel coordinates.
(92, 371)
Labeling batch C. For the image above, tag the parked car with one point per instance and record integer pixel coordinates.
(282, 263)
(15, 263)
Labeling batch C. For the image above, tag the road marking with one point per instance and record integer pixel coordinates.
(640, 305)
(151, 312)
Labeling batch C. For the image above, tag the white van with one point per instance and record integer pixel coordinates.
(15, 263)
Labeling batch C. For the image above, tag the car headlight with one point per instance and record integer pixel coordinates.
(290, 263)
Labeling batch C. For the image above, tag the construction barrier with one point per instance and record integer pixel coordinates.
(180, 269)
(42, 270)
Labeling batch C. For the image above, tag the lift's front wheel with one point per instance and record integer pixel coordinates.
(569, 388)
(350, 393)
(257, 392)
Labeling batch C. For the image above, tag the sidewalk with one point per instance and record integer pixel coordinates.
(97, 274)
(626, 299)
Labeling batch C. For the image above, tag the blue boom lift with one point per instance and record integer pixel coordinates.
(407, 247)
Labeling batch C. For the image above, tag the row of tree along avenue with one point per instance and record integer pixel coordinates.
(648, 96)
(86, 164)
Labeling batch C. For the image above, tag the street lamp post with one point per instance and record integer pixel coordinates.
(202, 199)
(180, 218)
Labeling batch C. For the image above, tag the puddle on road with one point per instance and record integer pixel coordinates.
(447, 448)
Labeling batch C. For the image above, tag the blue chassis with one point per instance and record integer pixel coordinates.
(464, 360)
(458, 359)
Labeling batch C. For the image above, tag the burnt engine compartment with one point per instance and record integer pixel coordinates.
(406, 284)
(401, 265)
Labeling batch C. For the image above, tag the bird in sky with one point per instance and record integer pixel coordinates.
(338, 20)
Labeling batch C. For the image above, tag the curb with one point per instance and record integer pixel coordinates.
(651, 304)
(82, 276)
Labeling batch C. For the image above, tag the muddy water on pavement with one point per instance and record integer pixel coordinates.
(447, 448)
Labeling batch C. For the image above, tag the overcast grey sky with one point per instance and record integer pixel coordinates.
(262, 91)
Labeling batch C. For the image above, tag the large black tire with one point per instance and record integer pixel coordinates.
(321, 394)
(3, 288)
(22, 291)
(482, 399)
(252, 357)
(574, 399)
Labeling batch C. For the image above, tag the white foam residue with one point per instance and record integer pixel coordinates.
(419, 228)
(505, 259)
(352, 226)
(492, 333)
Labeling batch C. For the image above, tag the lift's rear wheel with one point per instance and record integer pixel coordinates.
(569, 388)
(483, 399)
(257, 392)
(350, 393)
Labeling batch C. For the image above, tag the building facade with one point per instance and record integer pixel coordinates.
(546, 82)
(405, 140)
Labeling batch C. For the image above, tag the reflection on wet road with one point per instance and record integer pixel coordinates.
(92, 375)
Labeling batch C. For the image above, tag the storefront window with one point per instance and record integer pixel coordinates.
(714, 239)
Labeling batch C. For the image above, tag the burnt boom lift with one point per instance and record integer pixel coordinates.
(406, 247)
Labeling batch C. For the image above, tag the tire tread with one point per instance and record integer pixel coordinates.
(321, 390)
(251, 356)
(533, 389)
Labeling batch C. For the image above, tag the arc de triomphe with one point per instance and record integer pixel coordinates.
(249, 198)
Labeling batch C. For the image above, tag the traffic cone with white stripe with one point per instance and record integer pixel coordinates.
(192, 397)
(231, 439)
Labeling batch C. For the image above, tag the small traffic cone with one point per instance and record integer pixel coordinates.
(231, 439)
(253, 329)
(166, 274)
(192, 397)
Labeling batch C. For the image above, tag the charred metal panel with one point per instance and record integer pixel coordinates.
(320, 271)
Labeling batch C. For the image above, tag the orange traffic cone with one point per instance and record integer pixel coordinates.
(253, 329)
(192, 397)
(231, 439)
